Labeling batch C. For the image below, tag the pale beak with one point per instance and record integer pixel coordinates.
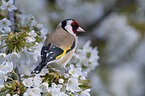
(80, 29)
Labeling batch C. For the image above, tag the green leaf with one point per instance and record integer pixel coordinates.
(84, 81)
(88, 54)
(84, 86)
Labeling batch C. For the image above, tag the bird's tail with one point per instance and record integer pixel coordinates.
(38, 68)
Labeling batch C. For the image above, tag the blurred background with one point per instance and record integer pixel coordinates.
(116, 27)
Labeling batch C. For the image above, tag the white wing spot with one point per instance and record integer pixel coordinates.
(37, 71)
(53, 47)
(47, 54)
(50, 52)
(51, 57)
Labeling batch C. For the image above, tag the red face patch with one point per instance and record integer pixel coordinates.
(75, 26)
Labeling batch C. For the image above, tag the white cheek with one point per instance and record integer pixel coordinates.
(69, 29)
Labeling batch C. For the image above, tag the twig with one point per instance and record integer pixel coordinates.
(11, 17)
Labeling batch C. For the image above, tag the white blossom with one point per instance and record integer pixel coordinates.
(66, 75)
(9, 5)
(37, 81)
(75, 72)
(86, 56)
(3, 6)
(36, 51)
(4, 25)
(85, 92)
(60, 80)
(36, 91)
(43, 31)
(25, 69)
(28, 82)
(32, 33)
(28, 93)
(33, 22)
(31, 36)
(33, 92)
(30, 39)
(40, 26)
(24, 19)
(3, 77)
(8, 95)
(62, 94)
(27, 61)
(55, 89)
(72, 85)
(13, 57)
(2, 57)
(6, 67)
(44, 87)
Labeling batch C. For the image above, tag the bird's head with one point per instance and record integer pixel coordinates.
(71, 26)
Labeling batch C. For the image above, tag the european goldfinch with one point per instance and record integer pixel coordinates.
(59, 45)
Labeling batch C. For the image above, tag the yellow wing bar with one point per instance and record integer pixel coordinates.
(64, 52)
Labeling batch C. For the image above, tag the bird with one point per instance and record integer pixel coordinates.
(60, 45)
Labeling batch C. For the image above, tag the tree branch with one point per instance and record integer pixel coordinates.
(11, 17)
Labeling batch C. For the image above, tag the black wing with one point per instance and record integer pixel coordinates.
(48, 53)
